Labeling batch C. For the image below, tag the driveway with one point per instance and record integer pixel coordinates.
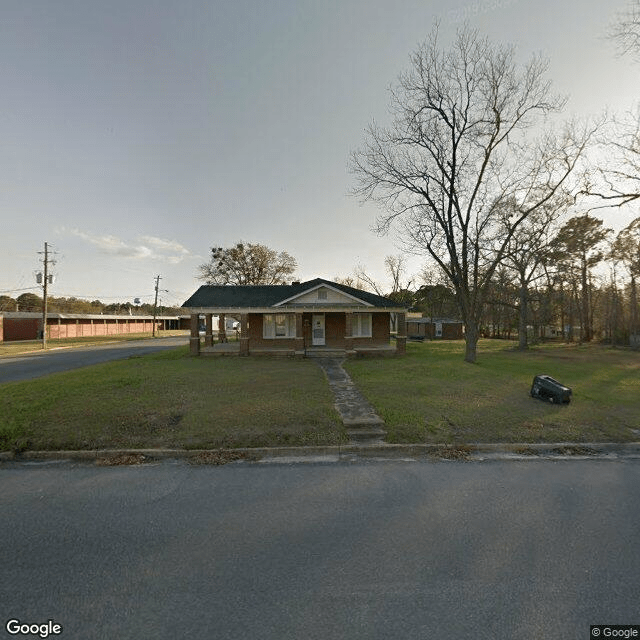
(42, 363)
(368, 550)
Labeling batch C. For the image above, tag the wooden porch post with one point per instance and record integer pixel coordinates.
(244, 334)
(299, 335)
(208, 332)
(222, 330)
(401, 338)
(194, 340)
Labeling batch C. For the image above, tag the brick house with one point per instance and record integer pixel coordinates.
(304, 318)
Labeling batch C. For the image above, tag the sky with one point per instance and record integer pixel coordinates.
(137, 135)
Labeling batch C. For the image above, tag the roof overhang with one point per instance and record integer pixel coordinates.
(295, 309)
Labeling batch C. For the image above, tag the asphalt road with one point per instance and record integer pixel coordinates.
(42, 363)
(362, 550)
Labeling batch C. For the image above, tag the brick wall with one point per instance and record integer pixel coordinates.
(72, 328)
(21, 329)
(256, 341)
(380, 331)
(29, 328)
(335, 327)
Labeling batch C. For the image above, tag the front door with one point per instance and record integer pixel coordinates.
(317, 327)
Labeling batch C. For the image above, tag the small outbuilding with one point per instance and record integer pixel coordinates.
(434, 329)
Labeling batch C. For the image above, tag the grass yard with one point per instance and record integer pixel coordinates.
(431, 395)
(172, 400)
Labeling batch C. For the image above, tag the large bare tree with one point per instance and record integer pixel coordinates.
(625, 32)
(459, 150)
(616, 182)
(617, 179)
(247, 263)
(395, 268)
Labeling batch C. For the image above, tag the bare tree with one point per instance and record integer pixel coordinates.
(348, 281)
(247, 264)
(616, 181)
(395, 268)
(367, 280)
(457, 152)
(625, 32)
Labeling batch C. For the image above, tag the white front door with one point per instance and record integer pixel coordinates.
(317, 329)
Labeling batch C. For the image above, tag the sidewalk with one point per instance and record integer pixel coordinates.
(364, 425)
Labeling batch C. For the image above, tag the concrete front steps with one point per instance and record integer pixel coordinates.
(365, 430)
(323, 352)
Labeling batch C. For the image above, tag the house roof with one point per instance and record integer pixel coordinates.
(279, 296)
(433, 320)
(24, 315)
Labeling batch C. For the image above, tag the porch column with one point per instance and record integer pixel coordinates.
(348, 331)
(244, 334)
(299, 342)
(222, 331)
(194, 339)
(401, 337)
(208, 331)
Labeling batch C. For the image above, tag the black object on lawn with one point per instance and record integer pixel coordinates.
(546, 388)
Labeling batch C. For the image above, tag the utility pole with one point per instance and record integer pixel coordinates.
(46, 281)
(155, 306)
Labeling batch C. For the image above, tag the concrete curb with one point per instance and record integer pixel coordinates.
(444, 451)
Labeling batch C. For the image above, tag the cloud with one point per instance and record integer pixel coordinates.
(145, 247)
(166, 245)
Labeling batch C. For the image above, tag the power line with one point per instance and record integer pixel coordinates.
(21, 289)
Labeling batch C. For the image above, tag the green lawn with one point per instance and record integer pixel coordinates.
(172, 400)
(431, 395)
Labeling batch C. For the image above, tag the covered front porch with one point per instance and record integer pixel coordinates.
(299, 333)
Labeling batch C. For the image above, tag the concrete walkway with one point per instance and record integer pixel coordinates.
(363, 425)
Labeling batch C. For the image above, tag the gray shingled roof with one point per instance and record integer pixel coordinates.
(260, 296)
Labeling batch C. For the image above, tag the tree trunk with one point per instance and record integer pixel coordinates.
(562, 316)
(522, 320)
(471, 340)
(585, 330)
(633, 312)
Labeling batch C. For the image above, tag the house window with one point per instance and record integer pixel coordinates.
(361, 325)
(322, 294)
(280, 325)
